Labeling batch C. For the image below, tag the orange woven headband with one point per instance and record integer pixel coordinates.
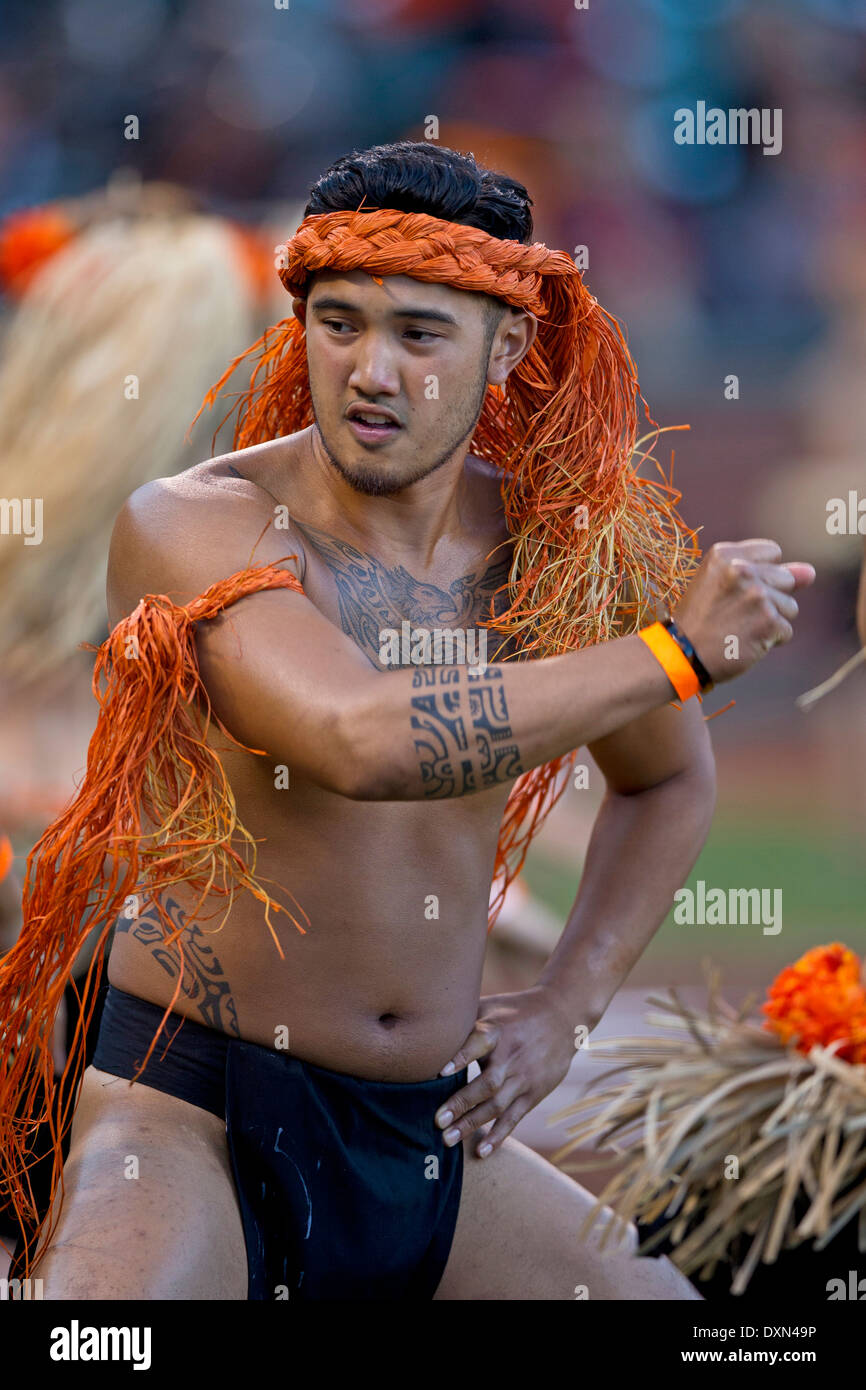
(384, 241)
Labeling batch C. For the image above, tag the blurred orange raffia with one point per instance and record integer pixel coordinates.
(155, 804)
(786, 1099)
(31, 237)
(28, 239)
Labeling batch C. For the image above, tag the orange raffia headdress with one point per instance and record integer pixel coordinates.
(595, 545)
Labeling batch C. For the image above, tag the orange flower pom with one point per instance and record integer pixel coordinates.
(6, 856)
(27, 240)
(821, 999)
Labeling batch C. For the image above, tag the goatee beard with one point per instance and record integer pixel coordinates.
(370, 484)
(373, 484)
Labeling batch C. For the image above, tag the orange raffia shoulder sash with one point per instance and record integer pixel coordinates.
(147, 761)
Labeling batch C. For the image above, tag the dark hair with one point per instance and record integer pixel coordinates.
(416, 176)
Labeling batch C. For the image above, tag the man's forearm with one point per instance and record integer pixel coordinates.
(446, 731)
(642, 849)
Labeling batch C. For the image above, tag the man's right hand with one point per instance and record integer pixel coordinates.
(742, 591)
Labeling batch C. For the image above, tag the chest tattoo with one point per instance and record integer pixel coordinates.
(374, 597)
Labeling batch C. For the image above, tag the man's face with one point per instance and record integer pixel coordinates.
(419, 352)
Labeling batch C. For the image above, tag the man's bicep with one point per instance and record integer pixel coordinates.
(654, 748)
(282, 679)
(277, 672)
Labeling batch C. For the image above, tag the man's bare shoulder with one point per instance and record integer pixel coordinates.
(180, 534)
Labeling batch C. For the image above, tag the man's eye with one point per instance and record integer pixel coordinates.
(336, 323)
(421, 333)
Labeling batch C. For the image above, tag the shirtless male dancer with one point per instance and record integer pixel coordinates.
(354, 1166)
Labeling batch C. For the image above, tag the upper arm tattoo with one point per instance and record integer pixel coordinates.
(463, 735)
(459, 716)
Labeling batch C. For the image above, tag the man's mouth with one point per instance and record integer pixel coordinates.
(371, 424)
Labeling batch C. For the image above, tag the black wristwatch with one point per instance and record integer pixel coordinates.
(690, 654)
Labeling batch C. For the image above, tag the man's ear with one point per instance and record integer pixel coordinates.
(512, 341)
(299, 308)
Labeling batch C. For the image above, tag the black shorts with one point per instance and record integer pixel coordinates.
(345, 1186)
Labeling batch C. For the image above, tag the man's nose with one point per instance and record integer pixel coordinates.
(374, 372)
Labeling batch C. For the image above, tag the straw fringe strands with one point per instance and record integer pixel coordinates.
(811, 697)
(729, 1128)
(117, 333)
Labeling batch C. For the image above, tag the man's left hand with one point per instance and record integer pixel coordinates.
(524, 1044)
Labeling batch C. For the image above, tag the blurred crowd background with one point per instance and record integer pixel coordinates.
(719, 260)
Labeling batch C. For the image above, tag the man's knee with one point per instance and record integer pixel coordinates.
(149, 1208)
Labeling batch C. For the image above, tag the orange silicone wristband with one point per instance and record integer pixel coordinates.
(671, 656)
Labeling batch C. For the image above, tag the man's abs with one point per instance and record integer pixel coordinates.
(385, 981)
